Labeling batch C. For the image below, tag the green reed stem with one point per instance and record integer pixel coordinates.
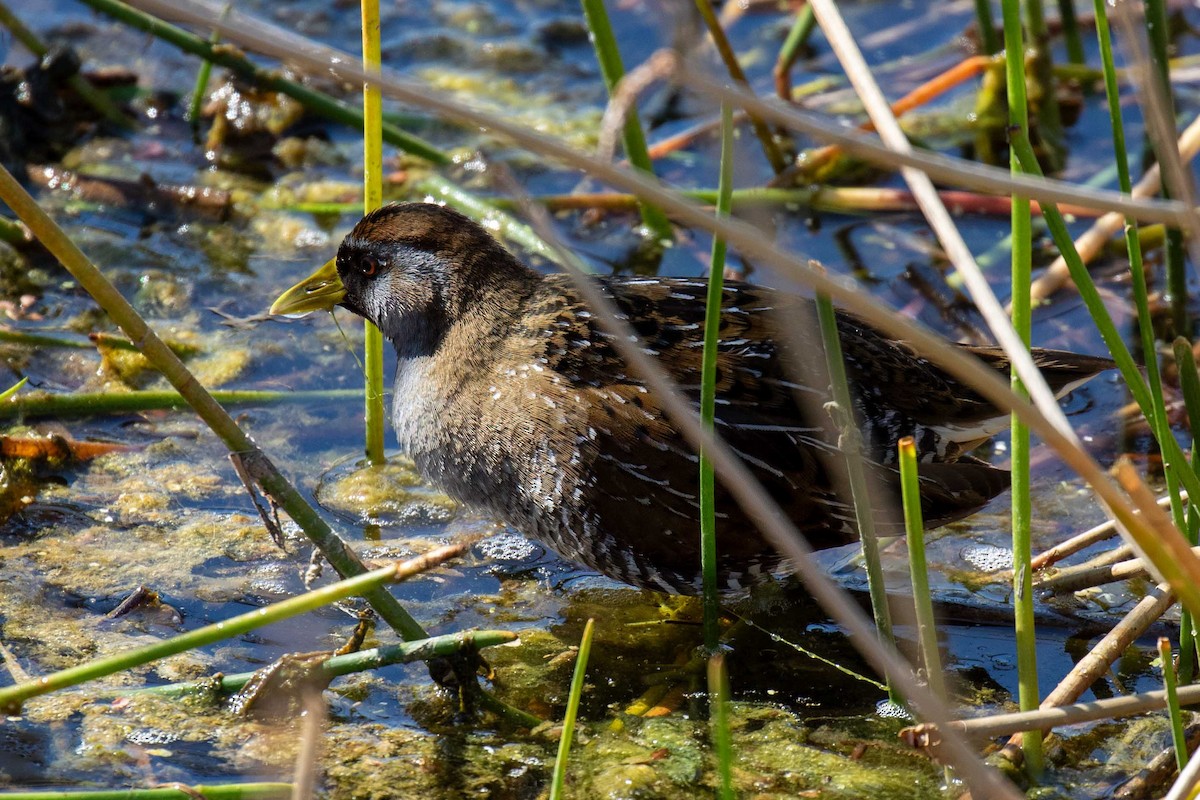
(988, 39)
(223, 791)
(612, 69)
(1158, 419)
(233, 60)
(1171, 685)
(101, 103)
(85, 404)
(1070, 27)
(851, 446)
(12, 697)
(374, 414)
(793, 46)
(558, 777)
(1022, 257)
(718, 704)
(914, 527)
(1177, 294)
(1189, 382)
(273, 483)
(336, 666)
(203, 75)
(708, 392)
(770, 147)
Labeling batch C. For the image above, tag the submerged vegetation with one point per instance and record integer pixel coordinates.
(168, 210)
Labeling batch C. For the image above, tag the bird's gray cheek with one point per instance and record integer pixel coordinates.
(381, 303)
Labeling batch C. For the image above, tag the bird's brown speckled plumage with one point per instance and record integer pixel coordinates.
(511, 398)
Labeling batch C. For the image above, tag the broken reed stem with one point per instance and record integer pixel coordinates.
(790, 52)
(1082, 541)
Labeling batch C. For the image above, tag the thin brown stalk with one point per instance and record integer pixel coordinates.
(854, 199)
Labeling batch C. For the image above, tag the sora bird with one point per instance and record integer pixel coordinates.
(510, 397)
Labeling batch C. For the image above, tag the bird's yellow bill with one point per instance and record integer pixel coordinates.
(320, 291)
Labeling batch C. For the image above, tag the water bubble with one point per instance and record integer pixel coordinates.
(886, 709)
(508, 546)
(988, 558)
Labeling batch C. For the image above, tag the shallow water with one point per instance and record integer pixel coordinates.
(172, 516)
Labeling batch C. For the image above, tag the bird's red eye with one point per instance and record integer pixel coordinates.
(369, 266)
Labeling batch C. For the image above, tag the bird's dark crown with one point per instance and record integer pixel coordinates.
(416, 268)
